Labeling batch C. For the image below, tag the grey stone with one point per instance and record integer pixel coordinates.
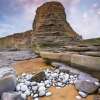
(86, 86)
(11, 96)
(82, 94)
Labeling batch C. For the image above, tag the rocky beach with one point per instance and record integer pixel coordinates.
(49, 62)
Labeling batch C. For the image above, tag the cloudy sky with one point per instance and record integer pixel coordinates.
(83, 15)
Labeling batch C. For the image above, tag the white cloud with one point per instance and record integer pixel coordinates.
(85, 23)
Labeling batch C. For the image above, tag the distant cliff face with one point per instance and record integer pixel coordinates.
(18, 40)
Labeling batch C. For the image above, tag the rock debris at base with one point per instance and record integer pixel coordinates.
(26, 86)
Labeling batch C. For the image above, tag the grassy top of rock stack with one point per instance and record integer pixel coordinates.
(95, 41)
(51, 28)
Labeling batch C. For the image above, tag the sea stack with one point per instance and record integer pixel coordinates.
(50, 26)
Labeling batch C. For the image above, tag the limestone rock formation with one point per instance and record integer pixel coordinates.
(50, 26)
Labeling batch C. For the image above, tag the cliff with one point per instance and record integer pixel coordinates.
(51, 27)
(18, 40)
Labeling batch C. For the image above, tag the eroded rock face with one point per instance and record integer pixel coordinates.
(50, 26)
(51, 17)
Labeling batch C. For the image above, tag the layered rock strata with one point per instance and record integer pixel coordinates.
(50, 26)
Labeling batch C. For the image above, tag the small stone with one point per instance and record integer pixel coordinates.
(59, 84)
(28, 77)
(35, 95)
(42, 88)
(97, 84)
(27, 83)
(71, 76)
(34, 88)
(82, 94)
(41, 93)
(58, 87)
(24, 88)
(78, 98)
(27, 92)
(23, 74)
(48, 85)
(41, 84)
(18, 88)
(36, 98)
(48, 94)
(32, 94)
(23, 95)
(33, 83)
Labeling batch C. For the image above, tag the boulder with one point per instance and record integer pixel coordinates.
(7, 79)
(86, 86)
(11, 96)
(40, 76)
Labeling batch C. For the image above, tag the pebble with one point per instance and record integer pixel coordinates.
(35, 95)
(18, 88)
(27, 92)
(42, 88)
(41, 84)
(34, 88)
(28, 77)
(82, 94)
(97, 84)
(36, 98)
(78, 98)
(24, 88)
(48, 94)
(23, 95)
(42, 93)
(33, 83)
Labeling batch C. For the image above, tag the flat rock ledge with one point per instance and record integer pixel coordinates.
(87, 63)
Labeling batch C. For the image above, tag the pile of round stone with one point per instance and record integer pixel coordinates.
(27, 87)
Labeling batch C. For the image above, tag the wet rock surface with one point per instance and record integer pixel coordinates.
(18, 55)
(11, 96)
(7, 79)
